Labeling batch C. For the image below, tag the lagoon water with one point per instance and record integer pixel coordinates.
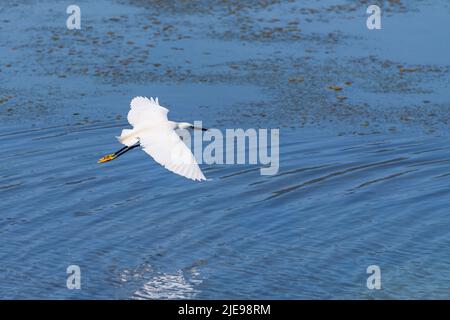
(364, 173)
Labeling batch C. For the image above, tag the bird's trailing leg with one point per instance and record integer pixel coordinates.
(118, 153)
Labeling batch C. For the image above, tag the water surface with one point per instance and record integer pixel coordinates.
(364, 172)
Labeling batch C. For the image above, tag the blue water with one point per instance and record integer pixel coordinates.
(363, 180)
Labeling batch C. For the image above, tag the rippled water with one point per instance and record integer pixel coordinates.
(364, 173)
(338, 205)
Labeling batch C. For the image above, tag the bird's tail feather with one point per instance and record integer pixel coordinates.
(127, 137)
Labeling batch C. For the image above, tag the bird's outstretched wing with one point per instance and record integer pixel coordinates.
(143, 112)
(165, 147)
(146, 111)
(158, 139)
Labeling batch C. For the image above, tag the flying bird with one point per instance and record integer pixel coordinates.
(157, 136)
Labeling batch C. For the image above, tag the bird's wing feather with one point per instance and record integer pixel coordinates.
(146, 111)
(165, 146)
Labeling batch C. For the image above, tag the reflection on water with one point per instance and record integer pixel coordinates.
(168, 286)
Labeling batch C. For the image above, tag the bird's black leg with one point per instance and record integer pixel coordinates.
(121, 150)
(118, 153)
(126, 149)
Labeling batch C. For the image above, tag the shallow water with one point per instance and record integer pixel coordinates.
(363, 181)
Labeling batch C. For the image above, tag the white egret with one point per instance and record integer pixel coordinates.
(157, 136)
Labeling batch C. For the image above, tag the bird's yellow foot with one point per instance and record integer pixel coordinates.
(107, 158)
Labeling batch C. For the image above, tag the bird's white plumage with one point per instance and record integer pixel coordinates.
(158, 138)
(144, 111)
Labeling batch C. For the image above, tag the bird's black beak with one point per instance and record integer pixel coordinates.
(197, 128)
